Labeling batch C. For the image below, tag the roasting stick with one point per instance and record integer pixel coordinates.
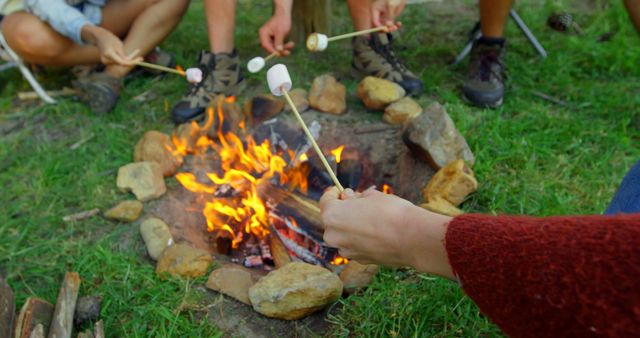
(160, 68)
(280, 84)
(317, 42)
(257, 63)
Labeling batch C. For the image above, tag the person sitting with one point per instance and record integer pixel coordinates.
(573, 276)
(372, 55)
(84, 32)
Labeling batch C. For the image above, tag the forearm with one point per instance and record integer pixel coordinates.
(424, 234)
(282, 7)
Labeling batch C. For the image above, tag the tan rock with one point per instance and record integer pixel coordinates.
(125, 211)
(402, 111)
(441, 206)
(184, 261)
(328, 95)
(156, 236)
(295, 291)
(232, 280)
(453, 183)
(262, 107)
(433, 138)
(144, 179)
(377, 93)
(157, 147)
(356, 276)
(299, 98)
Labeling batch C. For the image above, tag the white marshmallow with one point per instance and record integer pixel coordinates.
(278, 77)
(317, 42)
(255, 65)
(194, 75)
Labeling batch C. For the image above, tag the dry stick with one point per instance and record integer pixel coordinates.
(62, 322)
(161, 68)
(81, 215)
(363, 32)
(312, 140)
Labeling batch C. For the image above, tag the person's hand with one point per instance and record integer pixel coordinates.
(110, 46)
(384, 13)
(372, 227)
(273, 33)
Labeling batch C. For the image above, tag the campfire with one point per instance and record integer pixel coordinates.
(254, 199)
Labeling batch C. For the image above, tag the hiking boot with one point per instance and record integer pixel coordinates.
(221, 74)
(99, 90)
(374, 56)
(484, 84)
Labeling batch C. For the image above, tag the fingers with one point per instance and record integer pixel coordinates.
(375, 17)
(331, 194)
(265, 40)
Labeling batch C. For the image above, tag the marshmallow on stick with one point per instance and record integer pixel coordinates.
(317, 42)
(257, 63)
(193, 75)
(280, 84)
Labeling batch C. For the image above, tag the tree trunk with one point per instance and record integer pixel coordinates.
(310, 16)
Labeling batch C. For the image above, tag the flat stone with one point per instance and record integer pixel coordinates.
(377, 93)
(184, 261)
(433, 138)
(87, 309)
(144, 179)
(295, 291)
(157, 147)
(357, 276)
(299, 98)
(156, 236)
(453, 183)
(232, 280)
(402, 111)
(125, 211)
(328, 95)
(441, 206)
(262, 107)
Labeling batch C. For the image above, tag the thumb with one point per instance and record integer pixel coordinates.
(331, 194)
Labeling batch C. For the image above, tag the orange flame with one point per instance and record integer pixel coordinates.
(387, 189)
(337, 153)
(339, 260)
(243, 166)
(181, 70)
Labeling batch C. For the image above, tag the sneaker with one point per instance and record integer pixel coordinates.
(374, 56)
(484, 84)
(221, 75)
(99, 90)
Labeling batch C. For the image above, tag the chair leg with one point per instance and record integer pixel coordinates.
(26, 72)
(474, 35)
(525, 30)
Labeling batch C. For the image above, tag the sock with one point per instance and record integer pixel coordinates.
(492, 41)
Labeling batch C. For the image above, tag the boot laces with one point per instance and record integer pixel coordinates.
(486, 66)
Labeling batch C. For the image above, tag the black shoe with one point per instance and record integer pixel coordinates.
(221, 74)
(374, 56)
(484, 84)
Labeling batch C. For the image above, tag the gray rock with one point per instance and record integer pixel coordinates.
(433, 138)
(87, 309)
(144, 179)
(156, 236)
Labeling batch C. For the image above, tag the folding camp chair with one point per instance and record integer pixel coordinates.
(12, 60)
(476, 33)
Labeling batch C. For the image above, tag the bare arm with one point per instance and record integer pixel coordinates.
(276, 29)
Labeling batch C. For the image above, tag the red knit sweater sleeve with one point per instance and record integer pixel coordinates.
(551, 277)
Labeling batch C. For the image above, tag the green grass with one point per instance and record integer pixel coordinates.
(533, 157)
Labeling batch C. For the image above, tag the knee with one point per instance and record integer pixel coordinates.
(26, 40)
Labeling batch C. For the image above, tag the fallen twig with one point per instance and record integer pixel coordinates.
(81, 215)
(24, 96)
(372, 129)
(549, 98)
(81, 142)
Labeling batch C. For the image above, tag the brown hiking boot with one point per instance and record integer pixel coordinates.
(484, 84)
(374, 56)
(221, 75)
(99, 90)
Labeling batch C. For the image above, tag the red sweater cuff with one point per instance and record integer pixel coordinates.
(554, 276)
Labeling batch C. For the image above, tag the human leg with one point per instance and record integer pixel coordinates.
(221, 69)
(373, 54)
(484, 84)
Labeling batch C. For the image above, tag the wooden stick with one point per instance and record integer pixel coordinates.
(270, 56)
(161, 68)
(23, 96)
(81, 215)
(34, 311)
(323, 159)
(362, 32)
(62, 323)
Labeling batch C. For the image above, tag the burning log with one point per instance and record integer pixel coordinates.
(349, 173)
(280, 254)
(7, 309)
(34, 312)
(305, 208)
(38, 332)
(62, 323)
(301, 252)
(265, 252)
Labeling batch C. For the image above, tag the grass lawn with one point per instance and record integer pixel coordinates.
(533, 157)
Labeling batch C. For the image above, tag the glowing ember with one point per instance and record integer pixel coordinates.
(339, 261)
(337, 153)
(387, 189)
(180, 69)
